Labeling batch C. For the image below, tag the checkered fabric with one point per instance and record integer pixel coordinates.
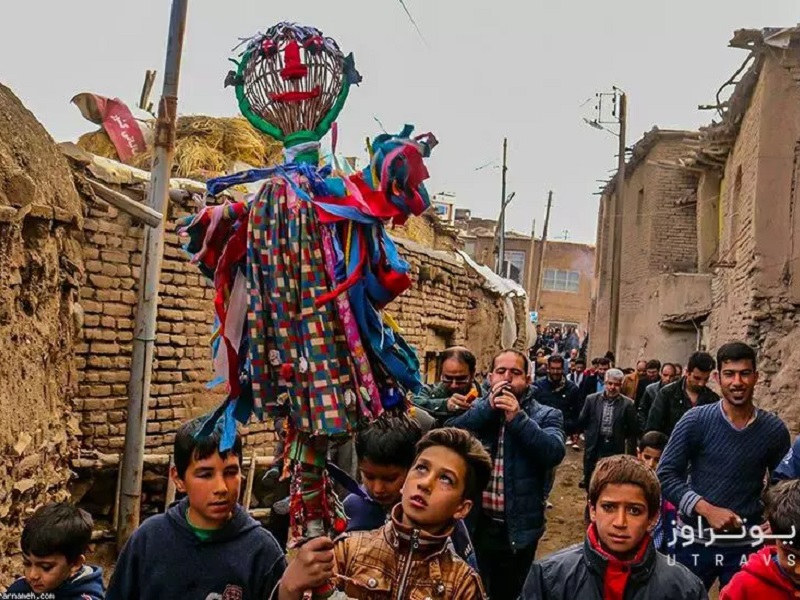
(298, 352)
(494, 499)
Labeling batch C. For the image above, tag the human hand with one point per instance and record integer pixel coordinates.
(718, 518)
(311, 567)
(457, 402)
(508, 403)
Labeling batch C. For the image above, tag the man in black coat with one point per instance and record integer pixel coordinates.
(608, 420)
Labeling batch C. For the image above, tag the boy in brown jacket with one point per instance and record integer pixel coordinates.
(412, 555)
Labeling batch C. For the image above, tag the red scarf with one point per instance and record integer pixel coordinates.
(618, 571)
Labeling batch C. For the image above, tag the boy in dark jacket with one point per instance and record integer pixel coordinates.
(386, 451)
(617, 559)
(773, 573)
(54, 544)
(206, 545)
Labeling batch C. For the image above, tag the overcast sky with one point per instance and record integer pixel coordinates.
(485, 70)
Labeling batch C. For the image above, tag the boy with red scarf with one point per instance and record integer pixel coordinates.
(773, 573)
(617, 559)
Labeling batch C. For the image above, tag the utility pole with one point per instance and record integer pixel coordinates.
(540, 266)
(147, 307)
(616, 252)
(501, 254)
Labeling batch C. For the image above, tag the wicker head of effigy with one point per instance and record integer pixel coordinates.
(304, 268)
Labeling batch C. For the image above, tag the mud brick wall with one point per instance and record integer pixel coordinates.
(112, 253)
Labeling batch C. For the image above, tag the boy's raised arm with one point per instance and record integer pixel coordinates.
(309, 569)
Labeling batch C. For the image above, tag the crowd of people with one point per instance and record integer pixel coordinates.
(684, 488)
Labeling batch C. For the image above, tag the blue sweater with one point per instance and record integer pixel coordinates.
(707, 458)
(164, 558)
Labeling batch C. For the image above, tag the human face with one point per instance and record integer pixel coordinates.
(45, 573)
(652, 374)
(697, 380)
(613, 387)
(641, 368)
(384, 483)
(510, 368)
(650, 457)
(555, 370)
(601, 370)
(212, 485)
(456, 376)
(737, 380)
(668, 374)
(433, 493)
(579, 367)
(621, 519)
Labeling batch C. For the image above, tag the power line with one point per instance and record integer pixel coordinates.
(414, 23)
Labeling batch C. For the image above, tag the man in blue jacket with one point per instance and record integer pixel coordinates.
(526, 441)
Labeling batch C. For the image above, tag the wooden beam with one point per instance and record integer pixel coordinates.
(248, 488)
(169, 496)
(121, 201)
(111, 461)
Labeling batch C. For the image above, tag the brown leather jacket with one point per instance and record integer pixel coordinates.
(400, 563)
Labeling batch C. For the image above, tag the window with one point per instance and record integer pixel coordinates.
(557, 280)
(515, 266)
(640, 206)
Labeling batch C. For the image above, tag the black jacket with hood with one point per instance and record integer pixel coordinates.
(164, 558)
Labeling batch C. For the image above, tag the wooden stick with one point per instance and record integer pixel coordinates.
(121, 201)
(169, 497)
(248, 488)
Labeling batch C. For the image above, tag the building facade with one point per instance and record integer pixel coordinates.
(730, 254)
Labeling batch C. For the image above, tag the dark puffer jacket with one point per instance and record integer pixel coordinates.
(532, 446)
(577, 573)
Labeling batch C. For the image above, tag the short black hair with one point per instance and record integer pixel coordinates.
(580, 361)
(667, 364)
(526, 363)
(555, 358)
(702, 361)
(466, 445)
(734, 351)
(653, 439)
(653, 364)
(603, 360)
(389, 441)
(595, 362)
(57, 528)
(782, 509)
(461, 354)
(189, 446)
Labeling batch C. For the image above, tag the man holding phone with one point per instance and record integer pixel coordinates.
(526, 441)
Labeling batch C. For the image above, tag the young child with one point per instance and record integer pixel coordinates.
(54, 544)
(617, 559)
(386, 451)
(411, 555)
(206, 545)
(650, 448)
(773, 573)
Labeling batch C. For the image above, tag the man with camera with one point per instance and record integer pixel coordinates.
(526, 441)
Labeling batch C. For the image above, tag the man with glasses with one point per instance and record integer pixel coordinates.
(526, 441)
(457, 388)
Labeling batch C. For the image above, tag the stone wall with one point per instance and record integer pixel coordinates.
(40, 271)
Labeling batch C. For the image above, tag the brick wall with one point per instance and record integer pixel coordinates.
(658, 236)
(112, 252)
